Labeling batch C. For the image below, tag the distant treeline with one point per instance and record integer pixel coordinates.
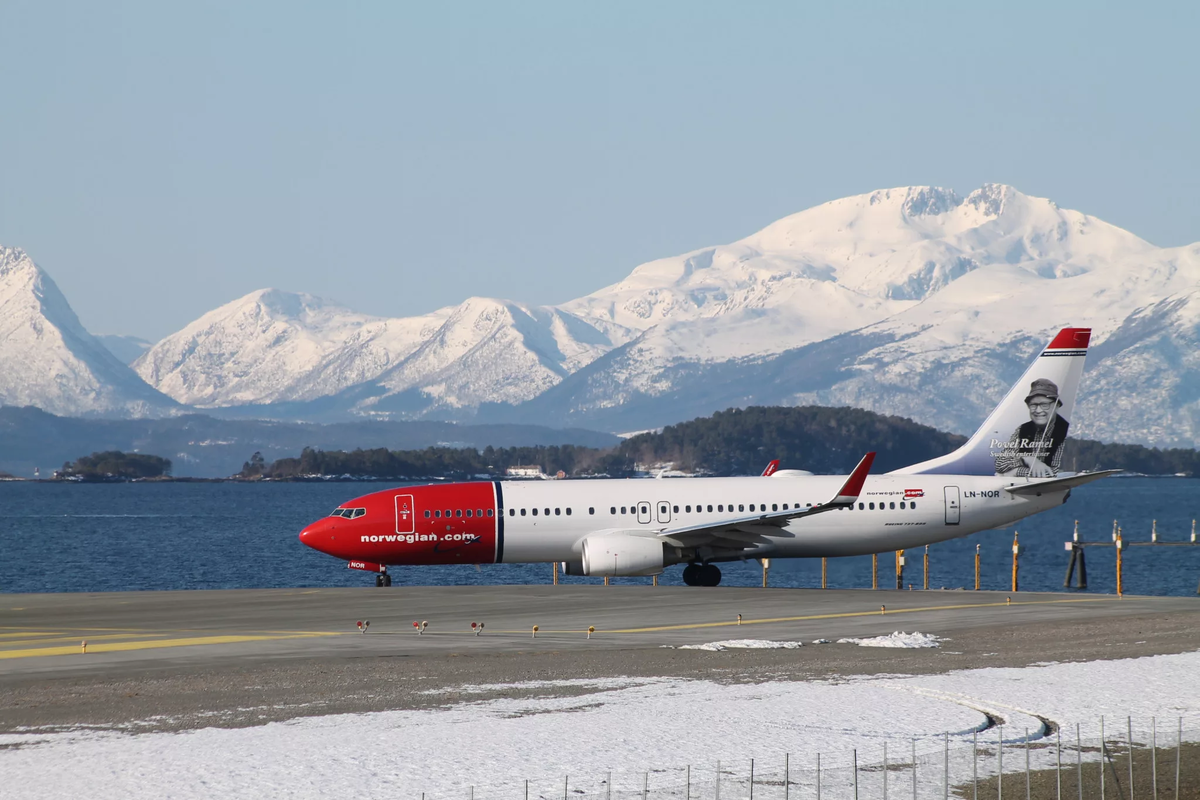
(113, 464)
(733, 442)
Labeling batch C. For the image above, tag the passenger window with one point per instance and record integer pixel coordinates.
(861, 506)
(427, 514)
(489, 512)
(912, 504)
(872, 506)
(622, 509)
(688, 509)
(901, 505)
(675, 509)
(568, 511)
(512, 512)
(710, 509)
(741, 507)
(438, 513)
(448, 514)
(612, 510)
(523, 512)
(468, 512)
(892, 505)
(591, 509)
(720, 507)
(785, 506)
(547, 512)
(557, 512)
(752, 506)
(458, 513)
(774, 506)
(535, 512)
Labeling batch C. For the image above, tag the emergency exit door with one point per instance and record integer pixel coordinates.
(953, 510)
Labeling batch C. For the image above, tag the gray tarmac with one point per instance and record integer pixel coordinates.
(180, 660)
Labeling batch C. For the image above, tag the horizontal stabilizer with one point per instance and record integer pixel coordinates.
(1060, 484)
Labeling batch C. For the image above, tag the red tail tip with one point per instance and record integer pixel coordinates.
(1071, 339)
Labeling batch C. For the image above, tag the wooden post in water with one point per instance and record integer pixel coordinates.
(1016, 553)
(925, 568)
(874, 570)
(825, 574)
(899, 569)
(977, 568)
(766, 565)
(556, 574)
(1120, 550)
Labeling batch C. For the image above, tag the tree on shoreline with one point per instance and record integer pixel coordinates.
(113, 464)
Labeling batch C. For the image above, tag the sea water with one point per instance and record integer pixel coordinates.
(57, 537)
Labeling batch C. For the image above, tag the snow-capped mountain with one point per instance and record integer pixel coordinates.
(971, 287)
(127, 349)
(273, 346)
(48, 359)
(916, 301)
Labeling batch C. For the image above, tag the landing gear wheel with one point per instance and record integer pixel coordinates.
(691, 574)
(383, 579)
(379, 580)
(710, 575)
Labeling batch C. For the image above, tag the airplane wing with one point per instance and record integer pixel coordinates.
(745, 530)
(1059, 484)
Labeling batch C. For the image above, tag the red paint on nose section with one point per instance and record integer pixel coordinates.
(1071, 339)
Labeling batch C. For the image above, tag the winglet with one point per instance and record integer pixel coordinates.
(854, 484)
(770, 470)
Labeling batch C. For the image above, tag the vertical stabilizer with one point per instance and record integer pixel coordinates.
(1025, 434)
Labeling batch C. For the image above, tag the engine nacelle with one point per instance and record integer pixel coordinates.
(623, 554)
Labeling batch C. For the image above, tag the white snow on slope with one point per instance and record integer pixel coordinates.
(659, 724)
(48, 359)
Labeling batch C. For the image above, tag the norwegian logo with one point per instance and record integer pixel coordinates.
(911, 493)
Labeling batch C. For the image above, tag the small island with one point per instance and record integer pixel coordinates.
(113, 465)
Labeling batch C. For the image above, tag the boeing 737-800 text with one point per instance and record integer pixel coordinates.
(1009, 469)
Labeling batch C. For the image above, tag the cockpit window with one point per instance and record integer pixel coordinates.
(349, 513)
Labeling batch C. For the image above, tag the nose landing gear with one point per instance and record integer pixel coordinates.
(701, 575)
(383, 579)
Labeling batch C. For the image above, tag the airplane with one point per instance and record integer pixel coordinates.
(1009, 469)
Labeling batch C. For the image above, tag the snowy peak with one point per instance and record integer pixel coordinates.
(50, 361)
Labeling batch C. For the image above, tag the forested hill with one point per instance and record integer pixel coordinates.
(733, 442)
(818, 439)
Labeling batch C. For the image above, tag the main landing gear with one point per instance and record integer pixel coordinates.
(701, 575)
(383, 579)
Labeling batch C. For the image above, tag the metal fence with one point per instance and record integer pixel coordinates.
(1125, 761)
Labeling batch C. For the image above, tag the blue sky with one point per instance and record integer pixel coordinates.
(161, 159)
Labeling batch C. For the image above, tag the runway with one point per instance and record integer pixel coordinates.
(42, 634)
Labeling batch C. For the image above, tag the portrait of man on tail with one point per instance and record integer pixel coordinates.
(1035, 448)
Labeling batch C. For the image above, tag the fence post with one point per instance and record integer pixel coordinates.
(1000, 763)
(926, 567)
(975, 763)
(1058, 762)
(874, 570)
(752, 779)
(885, 770)
(914, 755)
(1027, 764)
(1016, 554)
(1129, 740)
(855, 774)
(946, 769)
(824, 573)
(1154, 756)
(977, 568)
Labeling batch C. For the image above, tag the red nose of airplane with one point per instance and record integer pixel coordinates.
(319, 535)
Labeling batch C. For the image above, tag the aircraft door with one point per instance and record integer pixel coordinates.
(643, 513)
(953, 510)
(406, 513)
(664, 511)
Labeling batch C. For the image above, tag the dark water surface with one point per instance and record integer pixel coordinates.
(133, 536)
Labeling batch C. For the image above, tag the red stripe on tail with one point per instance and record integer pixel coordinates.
(1071, 339)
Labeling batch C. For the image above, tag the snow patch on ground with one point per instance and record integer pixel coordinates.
(899, 639)
(743, 644)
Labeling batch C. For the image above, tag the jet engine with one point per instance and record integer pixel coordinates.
(623, 554)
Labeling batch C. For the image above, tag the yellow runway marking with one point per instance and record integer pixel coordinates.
(27, 633)
(112, 647)
(71, 637)
(890, 613)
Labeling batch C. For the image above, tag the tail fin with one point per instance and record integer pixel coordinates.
(1024, 435)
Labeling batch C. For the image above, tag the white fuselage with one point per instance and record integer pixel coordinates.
(892, 512)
